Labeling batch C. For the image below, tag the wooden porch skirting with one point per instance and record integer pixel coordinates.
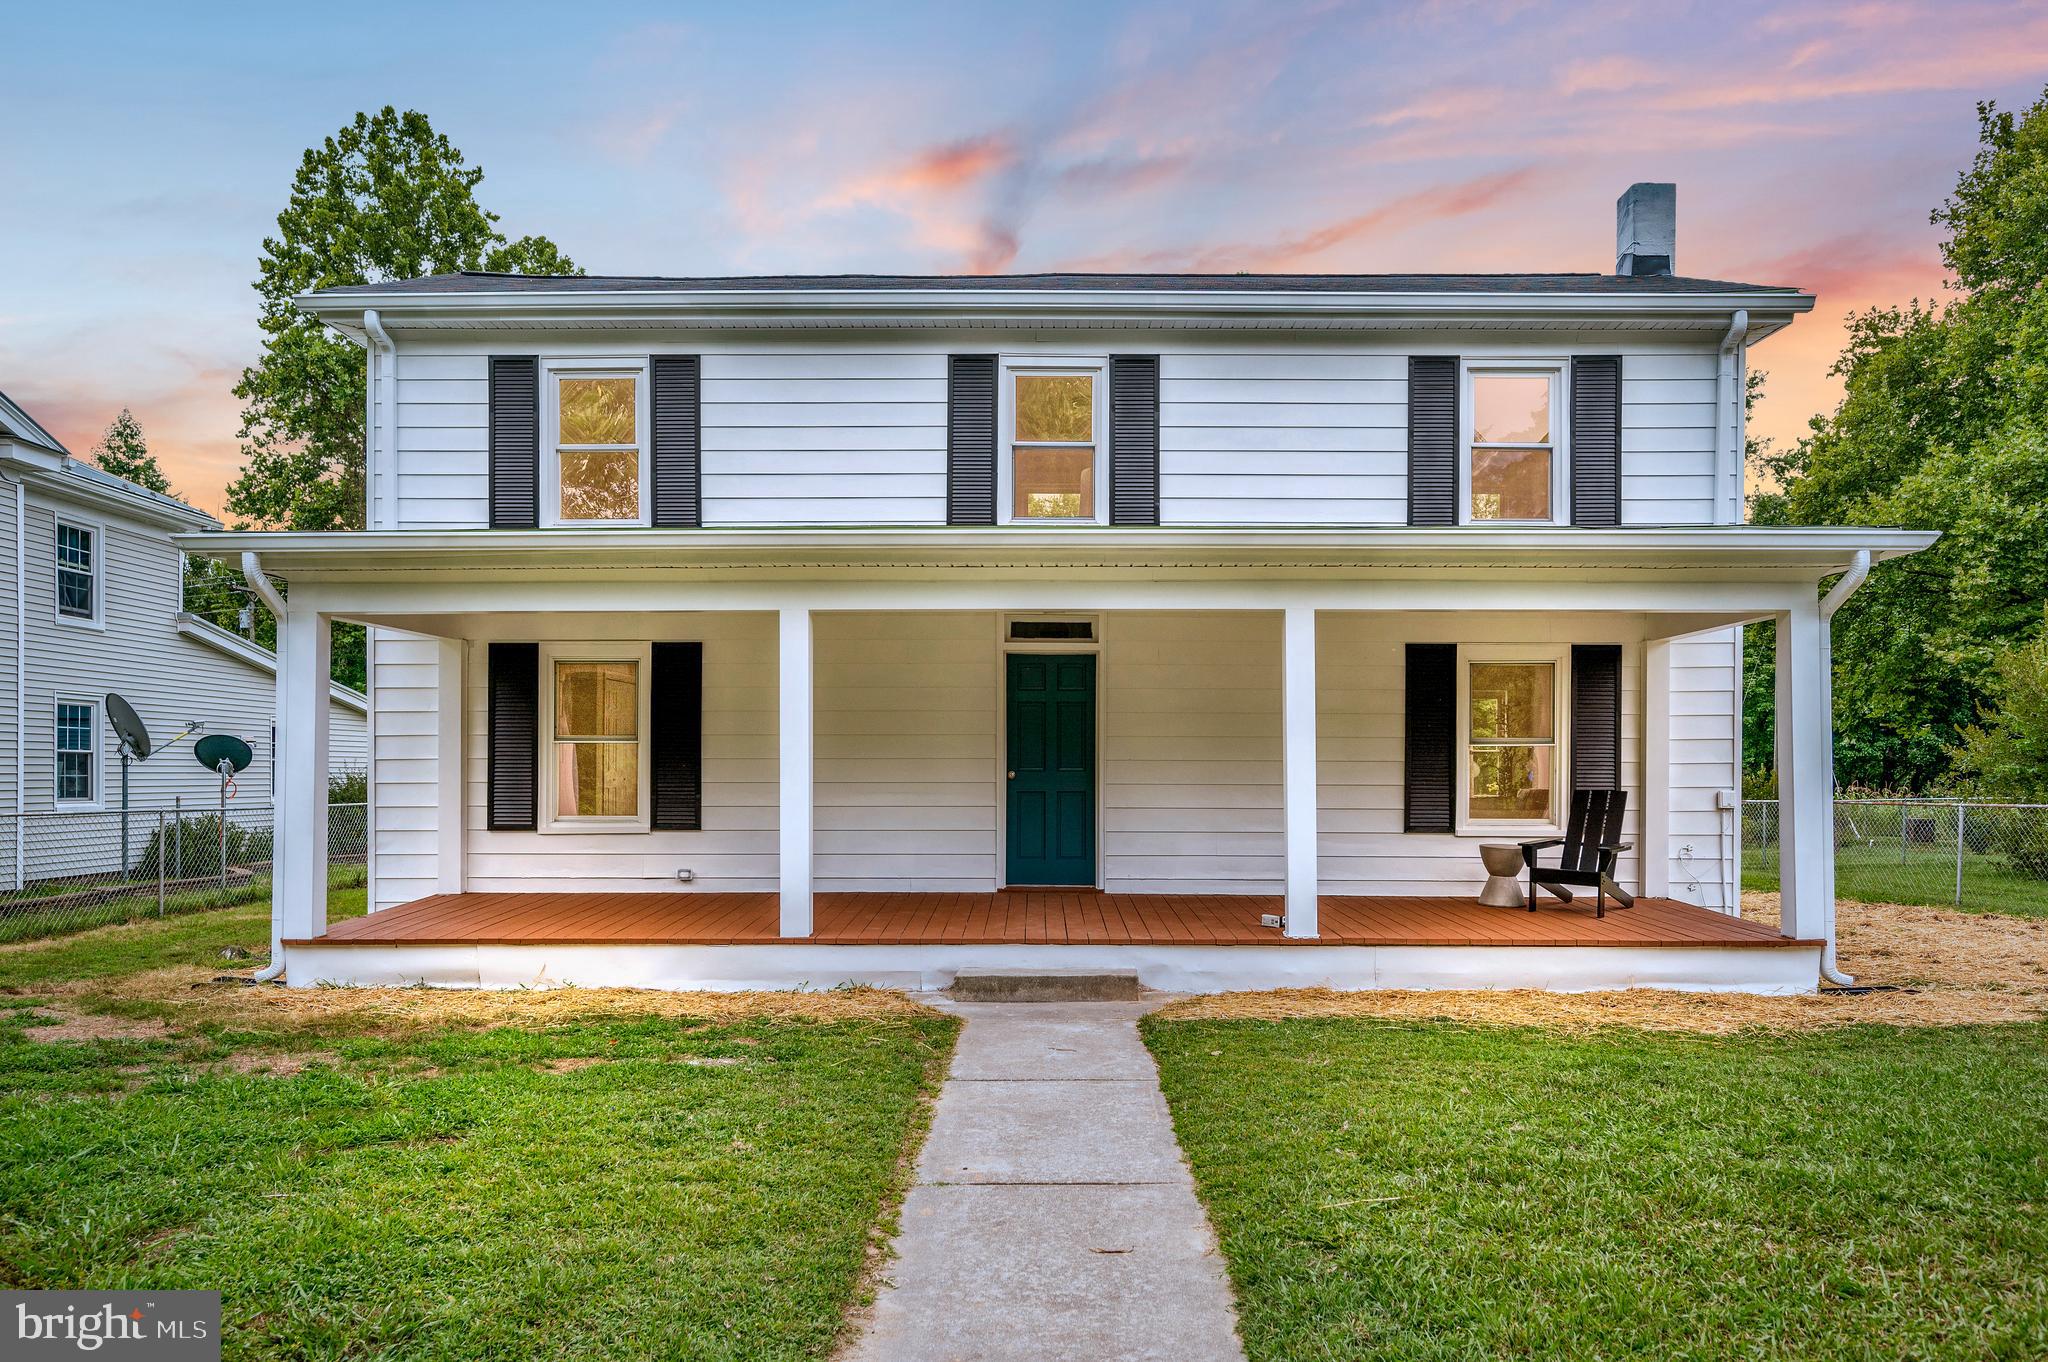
(1020, 918)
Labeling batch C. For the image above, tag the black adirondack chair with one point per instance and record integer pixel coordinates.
(1590, 851)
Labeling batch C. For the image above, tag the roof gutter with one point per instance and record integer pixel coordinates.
(252, 573)
(1838, 594)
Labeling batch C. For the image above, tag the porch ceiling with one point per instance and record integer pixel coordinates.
(1014, 917)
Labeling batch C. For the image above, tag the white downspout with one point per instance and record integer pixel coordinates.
(1728, 445)
(1842, 590)
(252, 573)
(379, 473)
(20, 685)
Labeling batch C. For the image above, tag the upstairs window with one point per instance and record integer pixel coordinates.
(78, 595)
(1514, 469)
(597, 464)
(1055, 423)
(596, 724)
(77, 734)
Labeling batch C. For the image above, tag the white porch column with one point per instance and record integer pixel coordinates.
(1655, 840)
(1805, 759)
(298, 882)
(450, 715)
(794, 858)
(1298, 747)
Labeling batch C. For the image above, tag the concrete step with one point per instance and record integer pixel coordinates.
(1046, 986)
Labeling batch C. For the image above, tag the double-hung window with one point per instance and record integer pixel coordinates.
(596, 726)
(1053, 412)
(1509, 729)
(78, 573)
(1515, 458)
(77, 752)
(596, 447)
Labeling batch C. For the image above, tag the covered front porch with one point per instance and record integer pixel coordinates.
(1255, 744)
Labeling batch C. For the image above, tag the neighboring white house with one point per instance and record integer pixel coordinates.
(94, 585)
(838, 606)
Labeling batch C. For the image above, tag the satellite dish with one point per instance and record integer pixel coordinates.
(215, 748)
(128, 726)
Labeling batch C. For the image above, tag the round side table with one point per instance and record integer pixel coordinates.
(1503, 864)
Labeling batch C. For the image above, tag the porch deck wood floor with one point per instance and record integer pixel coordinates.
(1025, 917)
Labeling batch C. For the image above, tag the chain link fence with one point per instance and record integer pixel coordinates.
(1978, 856)
(63, 872)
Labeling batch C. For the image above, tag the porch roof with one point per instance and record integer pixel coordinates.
(1730, 552)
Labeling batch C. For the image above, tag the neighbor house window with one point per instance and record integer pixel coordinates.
(597, 469)
(1511, 741)
(1514, 470)
(77, 737)
(597, 718)
(1054, 440)
(77, 572)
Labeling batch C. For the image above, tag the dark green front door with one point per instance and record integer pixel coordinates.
(1052, 769)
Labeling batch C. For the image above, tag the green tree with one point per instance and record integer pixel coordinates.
(123, 452)
(2004, 756)
(217, 594)
(385, 198)
(1940, 427)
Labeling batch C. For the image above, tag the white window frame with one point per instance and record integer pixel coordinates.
(1559, 656)
(92, 707)
(1560, 433)
(553, 371)
(98, 531)
(1010, 366)
(641, 654)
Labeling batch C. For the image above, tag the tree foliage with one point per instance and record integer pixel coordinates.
(1941, 427)
(2005, 757)
(123, 452)
(385, 198)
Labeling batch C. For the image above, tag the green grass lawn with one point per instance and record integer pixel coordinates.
(611, 1185)
(1881, 874)
(1434, 1191)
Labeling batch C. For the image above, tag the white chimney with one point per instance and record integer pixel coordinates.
(1646, 229)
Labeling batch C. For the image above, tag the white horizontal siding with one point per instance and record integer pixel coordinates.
(905, 774)
(405, 790)
(850, 429)
(1191, 753)
(1282, 438)
(1361, 666)
(1706, 759)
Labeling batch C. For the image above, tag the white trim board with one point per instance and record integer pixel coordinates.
(1772, 970)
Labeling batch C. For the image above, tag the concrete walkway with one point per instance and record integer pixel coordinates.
(1052, 1216)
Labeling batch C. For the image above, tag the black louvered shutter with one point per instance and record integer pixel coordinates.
(678, 442)
(1432, 736)
(1596, 440)
(1134, 439)
(1596, 716)
(676, 707)
(971, 440)
(512, 783)
(1433, 440)
(515, 442)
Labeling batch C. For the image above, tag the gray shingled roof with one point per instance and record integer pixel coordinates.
(1609, 284)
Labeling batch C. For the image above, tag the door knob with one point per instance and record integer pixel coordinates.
(1013, 775)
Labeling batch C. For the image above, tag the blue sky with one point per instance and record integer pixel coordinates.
(147, 150)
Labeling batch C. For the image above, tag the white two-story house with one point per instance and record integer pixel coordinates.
(770, 631)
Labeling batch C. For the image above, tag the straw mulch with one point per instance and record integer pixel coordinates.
(1953, 969)
(188, 997)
